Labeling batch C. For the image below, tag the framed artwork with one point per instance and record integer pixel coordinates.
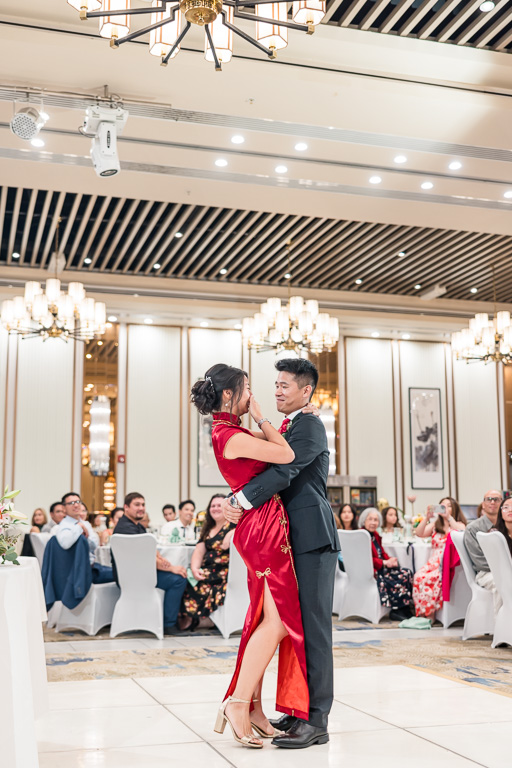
(208, 471)
(426, 439)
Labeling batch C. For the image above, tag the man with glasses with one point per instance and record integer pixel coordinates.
(72, 527)
(490, 508)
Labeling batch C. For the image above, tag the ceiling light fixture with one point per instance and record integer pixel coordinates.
(358, 281)
(301, 146)
(400, 159)
(427, 185)
(204, 324)
(27, 123)
(287, 276)
(375, 335)
(156, 266)
(87, 261)
(280, 168)
(112, 319)
(455, 166)
(178, 234)
(375, 179)
(170, 22)
(473, 290)
(238, 326)
(148, 321)
(221, 163)
(402, 254)
(406, 336)
(487, 5)
(237, 139)
(223, 271)
(15, 255)
(417, 286)
(508, 194)
(37, 142)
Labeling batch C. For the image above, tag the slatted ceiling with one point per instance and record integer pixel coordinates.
(459, 22)
(251, 245)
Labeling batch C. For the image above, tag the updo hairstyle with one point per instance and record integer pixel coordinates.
(206, 394)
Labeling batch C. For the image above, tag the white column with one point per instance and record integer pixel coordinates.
(342, 407)
(10, 411)
(505, 482)
(78, 399)
(450, 418)
(184, 416)
(397, 426)
(122, 372)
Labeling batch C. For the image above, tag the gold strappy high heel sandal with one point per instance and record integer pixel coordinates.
(262, 733)
(222, 719)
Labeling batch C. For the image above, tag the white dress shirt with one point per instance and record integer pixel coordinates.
(68, 531)
(186, 531)
(240, 495)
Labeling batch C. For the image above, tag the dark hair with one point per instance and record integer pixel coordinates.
(206, 394)
(114, 511)
(182, 504)
(457, 514)
(131, 497)
(55, 504)
(67, 495)
(93, 515)
(384, 513)
(353, 522)
(502, 528)
(168, 506)
(304, 371)
(209, 522)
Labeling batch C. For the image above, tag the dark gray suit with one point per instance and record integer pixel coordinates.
(303, 489)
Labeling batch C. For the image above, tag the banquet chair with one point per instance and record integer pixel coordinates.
(479, 618)
(140, 606)
(340, 587)
(230, 617)
(361, 596)
(93, 613)
(497, 554)
(39, 542)
(460, 597)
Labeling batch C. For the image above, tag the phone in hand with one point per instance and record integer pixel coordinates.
(439, 509)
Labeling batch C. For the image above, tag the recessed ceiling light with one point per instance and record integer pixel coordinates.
(287, 276)
(223, 271)
(473, 290)
(156, 266)
(487, 6)
(136, 295)
(417, 286)
(88, 355)
(178, 234)
(204, 324)
(87, 261)
(148, 321)
(100, 343)
(238, 327)
(427, 185)
(221, 163)
(358, 281)
(402, 255)
(406, 336)
(281, 169)
(112, 319)
(400, 159)
(375, 179)
(301, 146)
(237, 139)
(108, 325)
(37, 142)
(375, 335)
(508, 194)
(15, 255)
(455, 166)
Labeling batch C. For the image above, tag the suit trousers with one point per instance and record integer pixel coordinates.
(315, 575)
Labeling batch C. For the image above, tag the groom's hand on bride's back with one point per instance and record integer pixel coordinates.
(231, 514)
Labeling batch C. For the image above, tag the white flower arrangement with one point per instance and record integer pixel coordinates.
(11, 527)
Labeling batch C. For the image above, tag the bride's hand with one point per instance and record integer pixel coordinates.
(310, 408)
(255, 409)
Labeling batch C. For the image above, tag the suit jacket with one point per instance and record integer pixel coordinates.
(302, 486)
(66, 573)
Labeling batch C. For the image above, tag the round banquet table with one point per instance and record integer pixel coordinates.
(24, 695)
(177, 554)
(404, 553)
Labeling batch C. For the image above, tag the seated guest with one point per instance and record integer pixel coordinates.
(97, 520)
(394, 583)
(347, 521)
(490, 507)
(72, 527)
(427, 588)
(185, 522)
(390, 521)
(169, 512)
(170, 578)
(113, 519)
(209, 567)
(39, 519)
(57, 513)
(84, 512)
(504, 522)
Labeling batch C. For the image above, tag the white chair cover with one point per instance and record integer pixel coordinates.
(497, 554)
(140, 606)
(230, 617)
(340, 586)
(94, 612)
(460, 597)
(361, 596)
(39, 542)
(479, 618)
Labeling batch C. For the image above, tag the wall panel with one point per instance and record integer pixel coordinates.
(3, 384)
(262, 377)
(476, 420)
(44, 416)
(153, 416)
(370, 413)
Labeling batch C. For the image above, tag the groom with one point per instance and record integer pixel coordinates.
(303, 489)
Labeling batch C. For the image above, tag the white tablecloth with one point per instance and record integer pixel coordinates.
(403, 553)
(177, 554)
(24, 694)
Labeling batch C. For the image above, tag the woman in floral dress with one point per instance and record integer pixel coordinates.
(427, 590)
(209, 566)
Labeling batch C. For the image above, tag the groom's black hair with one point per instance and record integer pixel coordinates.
(303, 370)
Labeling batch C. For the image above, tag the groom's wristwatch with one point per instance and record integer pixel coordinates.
(234, 502)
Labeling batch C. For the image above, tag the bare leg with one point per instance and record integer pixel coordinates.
(257, 715)
(258, 653)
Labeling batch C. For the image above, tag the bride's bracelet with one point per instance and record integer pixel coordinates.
(260, 422)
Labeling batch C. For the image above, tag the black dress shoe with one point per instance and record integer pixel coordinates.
(399, 614)
(284, 723)
(301, 735)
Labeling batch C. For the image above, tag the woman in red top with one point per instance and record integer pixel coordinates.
(394, 583)
(262, 538)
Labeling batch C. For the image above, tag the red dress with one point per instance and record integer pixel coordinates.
(262, 538)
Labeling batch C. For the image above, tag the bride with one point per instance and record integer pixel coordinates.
(262, 538)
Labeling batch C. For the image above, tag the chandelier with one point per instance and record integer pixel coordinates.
(51, 313)
(298, 326)
(171, 20)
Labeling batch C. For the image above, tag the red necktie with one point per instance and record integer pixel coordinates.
(283, 427)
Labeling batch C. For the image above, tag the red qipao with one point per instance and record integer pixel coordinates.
(262, 538)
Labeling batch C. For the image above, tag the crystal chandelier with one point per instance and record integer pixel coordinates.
(51, 313)
(298, 326)
(170, 21)
(99, 432)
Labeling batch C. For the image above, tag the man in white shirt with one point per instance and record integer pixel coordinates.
(484, 577)
(185, 522)
(72, 527)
